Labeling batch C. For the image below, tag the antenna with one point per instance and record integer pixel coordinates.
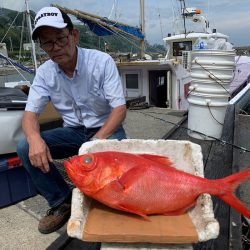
(208, 10)
(183, 9)
(160, 22)
(112, 9)
(1, 6)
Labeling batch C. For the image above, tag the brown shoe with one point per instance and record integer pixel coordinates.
(54, 219)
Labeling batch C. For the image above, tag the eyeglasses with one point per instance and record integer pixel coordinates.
(60, 41)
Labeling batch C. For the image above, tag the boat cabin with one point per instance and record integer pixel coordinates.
(161, 82)
(165, 82)
(178, 43)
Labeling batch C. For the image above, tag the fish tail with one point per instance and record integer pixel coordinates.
(229, 185)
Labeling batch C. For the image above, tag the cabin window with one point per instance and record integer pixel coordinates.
(161, 80)
(178, 47)
(132, 81)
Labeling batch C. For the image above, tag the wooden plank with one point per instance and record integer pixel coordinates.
(219, 165)
(241, 161)
(172, 130)
(125, 227)
(243, 158)
(235, 219)
(235, 231)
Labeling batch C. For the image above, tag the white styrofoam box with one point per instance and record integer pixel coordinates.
(186, 156)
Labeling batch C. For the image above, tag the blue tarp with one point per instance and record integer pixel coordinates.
(99, 30)
(19, 65)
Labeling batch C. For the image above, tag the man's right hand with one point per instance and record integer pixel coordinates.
(39, 153)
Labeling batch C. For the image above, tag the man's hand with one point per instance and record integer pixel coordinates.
(39, 154)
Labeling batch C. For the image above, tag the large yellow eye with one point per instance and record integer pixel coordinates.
(88, 161)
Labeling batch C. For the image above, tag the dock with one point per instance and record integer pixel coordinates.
(18, 224)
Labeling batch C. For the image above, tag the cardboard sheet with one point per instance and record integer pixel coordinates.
(104, 224)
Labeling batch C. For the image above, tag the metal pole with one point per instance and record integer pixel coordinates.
(11, 46)
(30, 32)
(21, 39)
(142, 17)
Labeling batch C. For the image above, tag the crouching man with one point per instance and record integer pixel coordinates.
(85, 88)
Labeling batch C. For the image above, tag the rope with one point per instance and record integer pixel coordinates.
(16, 69)
(210, 111)
(223, 142)
(10, 27)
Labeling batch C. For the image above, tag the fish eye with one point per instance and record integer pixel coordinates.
(87, 160)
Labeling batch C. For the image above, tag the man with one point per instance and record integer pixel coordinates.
(85, 88)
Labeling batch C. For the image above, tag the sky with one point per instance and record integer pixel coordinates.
(230, 17)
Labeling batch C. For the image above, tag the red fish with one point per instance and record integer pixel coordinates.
(146, 184)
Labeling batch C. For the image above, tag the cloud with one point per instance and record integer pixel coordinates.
(14, 5)
(229, 17)
(236, 28)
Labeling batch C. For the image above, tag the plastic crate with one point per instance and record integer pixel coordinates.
(15, 182)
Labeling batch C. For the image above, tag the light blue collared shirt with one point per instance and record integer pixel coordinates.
(85, 99)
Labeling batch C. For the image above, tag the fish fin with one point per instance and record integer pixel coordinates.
(126, 181)
(230, 184)
(119, 186)
(133, 211)
(131, 176)
(159, 159)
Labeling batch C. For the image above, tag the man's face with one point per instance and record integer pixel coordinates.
(60, 44)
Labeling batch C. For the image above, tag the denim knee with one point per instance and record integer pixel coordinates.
(23, 150)
(119, 134)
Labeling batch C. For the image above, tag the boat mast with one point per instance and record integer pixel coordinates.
(142, 17)
(30, 33)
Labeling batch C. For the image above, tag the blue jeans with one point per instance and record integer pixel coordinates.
(63, 143)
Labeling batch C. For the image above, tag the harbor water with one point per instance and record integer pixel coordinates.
(14, 76)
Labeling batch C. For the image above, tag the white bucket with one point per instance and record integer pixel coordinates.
(203, 86)
(212, 72)
(207, 72)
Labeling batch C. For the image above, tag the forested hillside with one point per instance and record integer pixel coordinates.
(13, 29)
